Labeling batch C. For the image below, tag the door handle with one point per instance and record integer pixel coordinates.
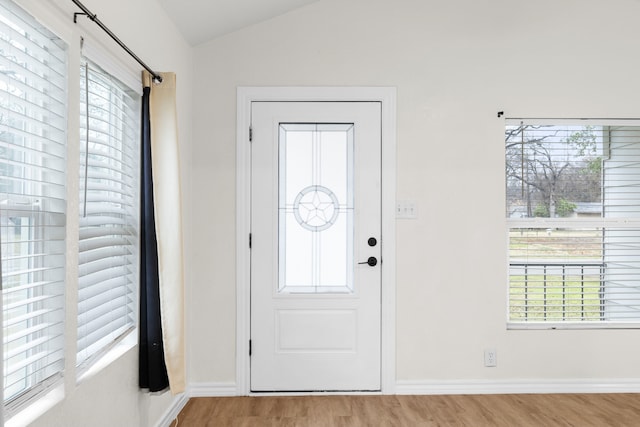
(372, 261)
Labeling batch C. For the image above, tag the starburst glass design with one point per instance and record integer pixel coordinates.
(315, 208)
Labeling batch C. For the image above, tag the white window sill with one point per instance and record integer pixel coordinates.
(571, 325)
(39, 407)
(42, 403)
(128, 342)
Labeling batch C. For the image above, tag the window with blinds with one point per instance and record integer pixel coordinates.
(109, 200)
(573, 214)
(32, 202)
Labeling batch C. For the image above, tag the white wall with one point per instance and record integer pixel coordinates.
(111, 397)
(455, 65)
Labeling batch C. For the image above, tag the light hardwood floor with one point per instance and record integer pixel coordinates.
(579, 410)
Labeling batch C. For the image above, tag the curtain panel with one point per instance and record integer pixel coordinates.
(161, 310)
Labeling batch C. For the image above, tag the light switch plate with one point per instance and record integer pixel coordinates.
(406, 209)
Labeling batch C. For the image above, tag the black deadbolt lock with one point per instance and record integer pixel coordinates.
(372, 241)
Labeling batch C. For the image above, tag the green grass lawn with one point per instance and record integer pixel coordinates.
(542, 243)
(554, 300)
(537, 296)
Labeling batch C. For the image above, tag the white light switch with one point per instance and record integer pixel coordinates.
(406, 209)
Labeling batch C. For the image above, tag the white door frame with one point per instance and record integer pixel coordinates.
(387, 97)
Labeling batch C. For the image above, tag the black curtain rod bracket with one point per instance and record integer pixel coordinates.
(75, 16)
(85, 12)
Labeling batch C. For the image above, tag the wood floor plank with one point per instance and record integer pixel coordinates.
(521, 410)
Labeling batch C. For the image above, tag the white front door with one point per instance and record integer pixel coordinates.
(316, 245)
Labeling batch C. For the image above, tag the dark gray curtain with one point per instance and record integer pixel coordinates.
(152, 368)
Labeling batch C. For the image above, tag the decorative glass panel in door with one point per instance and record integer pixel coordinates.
(315, 208)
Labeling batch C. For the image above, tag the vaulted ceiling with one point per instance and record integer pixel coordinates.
(203, 20)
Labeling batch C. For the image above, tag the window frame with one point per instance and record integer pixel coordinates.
(102, 65)
(605, 223)
(38, 192)
(78, 41)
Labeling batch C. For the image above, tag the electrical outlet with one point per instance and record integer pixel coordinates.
(490, 358)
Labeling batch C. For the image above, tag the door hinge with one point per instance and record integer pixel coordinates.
(250, 240)
(249, 347)
(250, 134)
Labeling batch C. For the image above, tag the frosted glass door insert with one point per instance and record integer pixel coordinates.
(315, 208)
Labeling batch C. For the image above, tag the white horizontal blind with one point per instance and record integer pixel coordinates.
(109, 200)
(32, 201)
(573, 209)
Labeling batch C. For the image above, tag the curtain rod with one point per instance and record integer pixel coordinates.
(156, 77)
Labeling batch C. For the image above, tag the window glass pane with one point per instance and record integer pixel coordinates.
(621, 168)
(109, 196)
(621, 293)
(555, 274)
(32, 202)
(561, 181)
(316, 208)
(554, 171)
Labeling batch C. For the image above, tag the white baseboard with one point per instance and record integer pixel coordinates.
(523, 386)
(212, 390)
(195, 390)
(174, 409)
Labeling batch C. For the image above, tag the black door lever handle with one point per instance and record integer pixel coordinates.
(372, 261)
